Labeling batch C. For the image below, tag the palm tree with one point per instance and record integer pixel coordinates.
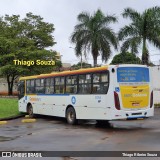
(143, 28)
(92, 33)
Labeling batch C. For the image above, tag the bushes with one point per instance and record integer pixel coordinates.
(157, 105)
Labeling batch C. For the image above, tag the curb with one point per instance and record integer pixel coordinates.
(13, 117)
(28, 120)
(3, 122)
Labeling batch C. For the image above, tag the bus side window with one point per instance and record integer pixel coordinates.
(21, 89)
(100, 83)
(52, 86)
(71, 84)
(30, 86)
(59, 85)
(49, 85)
(85, 84)
(40, 86)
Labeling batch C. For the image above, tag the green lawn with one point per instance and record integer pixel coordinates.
(8, 107)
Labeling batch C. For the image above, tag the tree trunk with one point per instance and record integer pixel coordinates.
(10, 84)
(95, 55)
(95, 61)
(10, 92)
(145, 54)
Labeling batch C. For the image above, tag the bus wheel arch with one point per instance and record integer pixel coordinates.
(71, 115)
(29, 110)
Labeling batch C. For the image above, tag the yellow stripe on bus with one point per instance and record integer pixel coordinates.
(80, 71)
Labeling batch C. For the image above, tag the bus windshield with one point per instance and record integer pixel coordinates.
(132, 74)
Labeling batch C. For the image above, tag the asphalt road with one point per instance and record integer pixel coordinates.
(53, 134)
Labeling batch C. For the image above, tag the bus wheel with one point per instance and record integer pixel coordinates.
(30, 111)
(71, 116)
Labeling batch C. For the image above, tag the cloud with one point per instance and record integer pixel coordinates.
(63, 14)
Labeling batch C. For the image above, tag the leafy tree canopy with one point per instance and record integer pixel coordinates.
(24, 39)
(93, 34)
(126, 58)
(84, 65)
(142, 29)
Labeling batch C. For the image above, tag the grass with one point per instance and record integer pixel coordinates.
(8, 107)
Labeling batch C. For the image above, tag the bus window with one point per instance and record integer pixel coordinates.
(71, 84)
(49, 89)
(85, 84)
(59, 85)
(39, 86)
(30, 86)
(100, 83)
(21, 89)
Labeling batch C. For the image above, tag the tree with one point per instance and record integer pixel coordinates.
(126, 58)
(38, 31)
(24, 40)
(78, 65)
(143, 28)
(92, 33)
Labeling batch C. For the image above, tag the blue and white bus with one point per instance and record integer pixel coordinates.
(102, 93)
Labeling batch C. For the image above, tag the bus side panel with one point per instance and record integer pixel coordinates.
(22, 105)
(92, 107)
(51, 105)
(95, 106)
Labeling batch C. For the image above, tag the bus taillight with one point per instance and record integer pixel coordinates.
(151, 100)
(116, 101)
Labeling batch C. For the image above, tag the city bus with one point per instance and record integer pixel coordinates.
(103, 93)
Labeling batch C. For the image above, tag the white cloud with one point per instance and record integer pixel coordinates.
(63, 13)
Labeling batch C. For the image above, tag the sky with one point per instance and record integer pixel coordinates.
(63, 14)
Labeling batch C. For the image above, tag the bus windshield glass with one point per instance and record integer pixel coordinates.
(132, 74)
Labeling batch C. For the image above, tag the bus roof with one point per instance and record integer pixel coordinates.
(63, 73)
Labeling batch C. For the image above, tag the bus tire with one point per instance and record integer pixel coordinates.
(71, 116)
(30, 111)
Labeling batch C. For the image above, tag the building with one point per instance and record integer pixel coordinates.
(156, 83)
(4, 87)
(58, 56)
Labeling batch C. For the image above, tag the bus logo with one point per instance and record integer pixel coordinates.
(73, 100)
